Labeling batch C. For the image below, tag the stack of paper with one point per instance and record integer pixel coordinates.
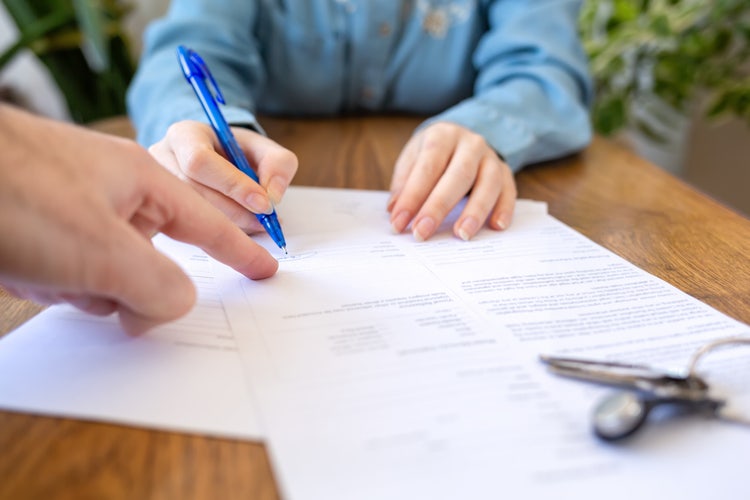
(186, 375)
(386, 368)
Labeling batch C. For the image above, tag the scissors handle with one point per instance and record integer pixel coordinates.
(620, 414)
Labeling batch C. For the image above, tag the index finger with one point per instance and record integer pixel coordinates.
(200, 158)
(192, 219)
(274, 164)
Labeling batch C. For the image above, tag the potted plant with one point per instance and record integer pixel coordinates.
(656, 61)
(83, 45)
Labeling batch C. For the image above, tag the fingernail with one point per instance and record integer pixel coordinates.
(275, 189)
(423, 229)
(259, 204)
(501, 223)
(468, 228)
(399, 222)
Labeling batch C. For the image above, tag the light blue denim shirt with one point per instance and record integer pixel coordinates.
(511, 70)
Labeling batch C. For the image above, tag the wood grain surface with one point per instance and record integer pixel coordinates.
(618, 200)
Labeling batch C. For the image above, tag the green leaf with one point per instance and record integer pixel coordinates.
(625, 10)
(681, 51)
(609, 115)
(92, 22)
(35, 30)
(660, 26)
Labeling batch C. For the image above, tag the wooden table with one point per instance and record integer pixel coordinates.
(608, 194)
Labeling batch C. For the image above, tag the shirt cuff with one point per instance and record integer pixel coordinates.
(510, 137)
(239, 117)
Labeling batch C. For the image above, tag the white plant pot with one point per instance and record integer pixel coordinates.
(671, 125)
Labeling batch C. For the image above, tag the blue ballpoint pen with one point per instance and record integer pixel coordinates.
(197, 74)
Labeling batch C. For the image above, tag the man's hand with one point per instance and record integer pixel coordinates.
(77, 211)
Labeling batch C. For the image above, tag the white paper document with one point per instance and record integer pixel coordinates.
(390, 369)
(185, 376)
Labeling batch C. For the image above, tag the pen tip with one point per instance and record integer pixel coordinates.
(285, 252)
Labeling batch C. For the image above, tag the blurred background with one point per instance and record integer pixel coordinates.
(672, 76)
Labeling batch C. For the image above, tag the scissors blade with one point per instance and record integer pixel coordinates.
(661, 383)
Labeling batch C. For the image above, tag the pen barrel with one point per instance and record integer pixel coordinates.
(269, 221)
(235, 153)
(196, 76)
(271, 224)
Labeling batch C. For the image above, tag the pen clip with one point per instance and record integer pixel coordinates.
(193, 66)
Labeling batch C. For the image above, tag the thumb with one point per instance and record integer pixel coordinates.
(168, 295)
(147, 286)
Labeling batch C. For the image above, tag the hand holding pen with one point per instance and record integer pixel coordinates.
(198, 75)
(196, 153)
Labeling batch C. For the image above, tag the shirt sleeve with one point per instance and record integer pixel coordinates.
(533, 89)
(159, 94)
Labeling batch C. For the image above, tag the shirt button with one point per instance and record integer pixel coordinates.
(385, 29)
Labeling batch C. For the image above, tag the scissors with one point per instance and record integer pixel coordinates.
(642, 388)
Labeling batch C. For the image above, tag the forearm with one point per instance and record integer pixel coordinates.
(524, 121)
(10, 191)
(533, 88)
(159, 95)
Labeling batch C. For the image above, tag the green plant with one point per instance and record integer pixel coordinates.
(83, 45)
(684, 52)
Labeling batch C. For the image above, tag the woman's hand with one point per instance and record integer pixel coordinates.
(191, 151)
(438, 167)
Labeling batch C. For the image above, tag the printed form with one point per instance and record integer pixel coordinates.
(386, 368)
(186, 375)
